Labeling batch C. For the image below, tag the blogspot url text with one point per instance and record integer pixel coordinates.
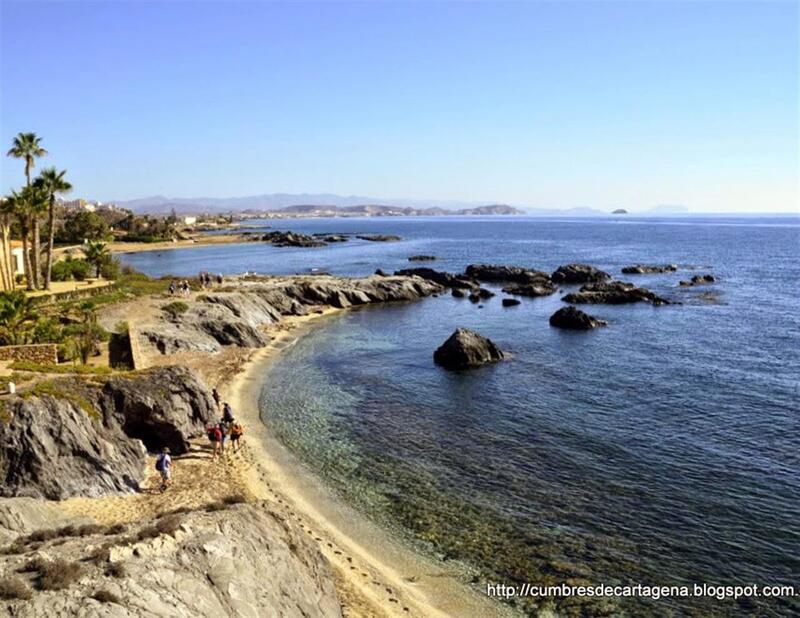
(506, 591)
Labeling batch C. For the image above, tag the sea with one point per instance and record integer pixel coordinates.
(661, 450)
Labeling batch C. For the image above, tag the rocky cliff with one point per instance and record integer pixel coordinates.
(74, 437)
(237, 560)
(233, 315)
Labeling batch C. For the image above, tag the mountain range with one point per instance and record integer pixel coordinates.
(321, 204)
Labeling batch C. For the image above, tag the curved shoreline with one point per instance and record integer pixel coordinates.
(390, 577)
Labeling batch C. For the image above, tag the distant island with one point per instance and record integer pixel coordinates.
(619, 211)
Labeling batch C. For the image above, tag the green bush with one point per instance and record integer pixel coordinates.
(110, 268)
(47, 330)
(70, 268)
(175, 308)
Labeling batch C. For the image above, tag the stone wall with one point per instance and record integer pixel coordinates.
(44, 353)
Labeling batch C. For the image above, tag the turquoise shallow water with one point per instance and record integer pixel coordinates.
(662, 449)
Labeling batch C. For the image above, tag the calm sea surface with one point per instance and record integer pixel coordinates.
(664, 449)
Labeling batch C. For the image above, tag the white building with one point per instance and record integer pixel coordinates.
(189, 220)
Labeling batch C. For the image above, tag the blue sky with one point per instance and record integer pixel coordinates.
(546, 104)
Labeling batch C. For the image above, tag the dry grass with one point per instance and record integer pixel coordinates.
(13, 587)
(58, 574)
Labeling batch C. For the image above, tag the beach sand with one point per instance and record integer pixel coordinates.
(201, 240)
(373, 570)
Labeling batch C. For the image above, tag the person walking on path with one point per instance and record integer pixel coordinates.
(216, 397)
(164, 466)
(227, 413)
(215, 437)
(237, 431)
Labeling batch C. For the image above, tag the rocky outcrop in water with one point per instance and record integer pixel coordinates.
(422, 258)
(499, 273)
(233, 317)
(243, 560)
(465, 349)
(572, 318)
(578, 273)
(291, 239)
(448, 280)
(614, 293)
(645, 269)
(541, 288)
(510, 302)
(72, 437)
(380, 237)
(698, 280)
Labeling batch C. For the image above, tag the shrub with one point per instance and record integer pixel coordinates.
(234, 499)
(89, 529)
(219, 505)
(150, 532)
(71, 268)
(106, 596)
(47, 330)
(13, 587)
(175, 308)
(169, 524)
(116, 569)
(110, 268)
(116, 529)
(58, 574)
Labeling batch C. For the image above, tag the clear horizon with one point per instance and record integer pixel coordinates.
(541, 105)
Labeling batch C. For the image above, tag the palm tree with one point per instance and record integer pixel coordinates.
(17, 317)
(52, 181)
(6, 268)
(27, 146)
(17, 204)
(96, 253)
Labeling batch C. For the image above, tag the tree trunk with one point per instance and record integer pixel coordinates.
(27, 259)
(37, 252)
(51, 221)
(6, 277)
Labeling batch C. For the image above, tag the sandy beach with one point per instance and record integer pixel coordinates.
(376, 574)
(201, 240)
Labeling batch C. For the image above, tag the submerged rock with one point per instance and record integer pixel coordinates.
(380, 237)
(614, 293)
(510, 302)
(422, 258)
(492, 272)
(459, 293)
(575, 319)
(698, 280)
(578, 273)
(466, 348)
(484, 293)
(643, 269)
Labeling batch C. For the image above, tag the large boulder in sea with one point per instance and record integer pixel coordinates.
(465, 349)
(614, 293)
(291, 239)
(578, 273)
(515, 274)
(698, 280)
(574, 319)
(646, 269)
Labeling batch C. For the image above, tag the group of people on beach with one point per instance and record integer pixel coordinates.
(207, 280)
(228, 429)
